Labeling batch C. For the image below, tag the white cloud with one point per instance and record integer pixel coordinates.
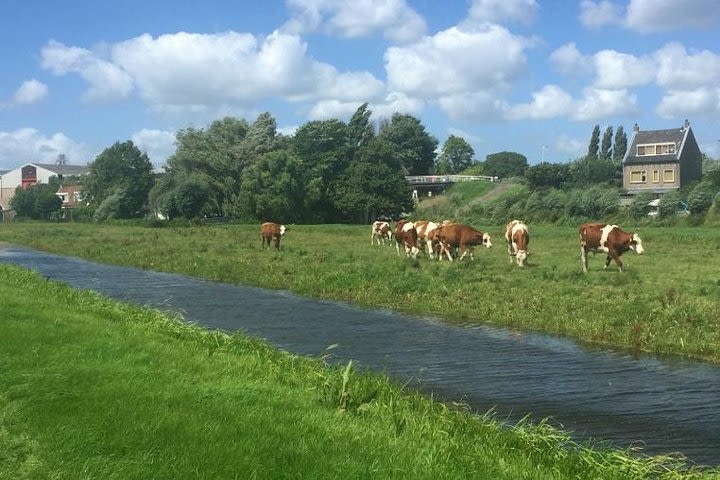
(196, 72)
(615, 70)
(569, 61)
(483, 11)
(647, 16)
(447, 63)
(158, 144)
(551, 101)
(682, 103)
(597, 14)
(359, 18)
(394, 102)
(288, 130)
(598, 103)
(107, 80)
(31, 91)
(29, 145)
(680, 70)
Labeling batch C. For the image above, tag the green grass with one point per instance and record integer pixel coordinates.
(664, 302)
(92, 388)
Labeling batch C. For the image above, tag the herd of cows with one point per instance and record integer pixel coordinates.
(453, 240)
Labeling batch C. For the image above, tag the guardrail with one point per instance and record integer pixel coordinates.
(420, 179)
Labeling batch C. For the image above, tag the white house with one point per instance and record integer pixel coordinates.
(34, 173)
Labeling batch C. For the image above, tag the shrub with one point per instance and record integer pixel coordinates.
(640, 207)
(669, 205)
(701, 198)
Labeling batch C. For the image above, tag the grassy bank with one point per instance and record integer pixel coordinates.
(664, 302)
(91, 388)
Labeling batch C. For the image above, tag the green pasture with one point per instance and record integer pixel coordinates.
(95, 389)
(664, 302)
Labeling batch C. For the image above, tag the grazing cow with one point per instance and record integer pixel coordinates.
(464, 237)
(406, 235)
(381, 231)
(600, 237)
(425, 233)
(518, 238)
(272, 231)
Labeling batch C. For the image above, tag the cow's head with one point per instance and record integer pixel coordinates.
(282, 230)
(522, 257)
(486, 240)
(636, 244)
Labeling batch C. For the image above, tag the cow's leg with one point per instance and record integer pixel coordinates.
(397, 248)
(615, 257)
(277, 242)
(608, 259)
(583, 258)
(510, 252)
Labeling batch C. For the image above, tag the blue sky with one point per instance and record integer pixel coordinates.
(529, 76)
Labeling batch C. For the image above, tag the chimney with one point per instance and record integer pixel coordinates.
(686, 125)
(636, 128)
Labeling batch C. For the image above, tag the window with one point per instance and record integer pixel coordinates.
(656, 176)
(661, 149)
(638, 176)
(669, 176)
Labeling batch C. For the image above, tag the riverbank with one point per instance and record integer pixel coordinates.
(663, 303)
(99, 389)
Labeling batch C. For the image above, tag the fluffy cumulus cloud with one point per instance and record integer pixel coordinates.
(550, 102)
(598, 14)
(497, 11)
(679, 69)
(29, 145)
(598, 103)
(107, 80)
(359, 18)
(677, 103)
(648, 16)
(383, 108)
(619, 70)
(569, 61)
(31, 91)
(186, 71)
(158, 144)
(445, 67)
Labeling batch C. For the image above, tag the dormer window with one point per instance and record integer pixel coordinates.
(656, 149)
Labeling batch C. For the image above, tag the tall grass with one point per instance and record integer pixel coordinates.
(91, 388)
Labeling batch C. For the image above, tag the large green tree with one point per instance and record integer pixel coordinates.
(124, 172)
(373, 185)
(359, 129)
(456, 155)
(620, 145)
(272, 189)
(594, 144)
(505, 164)
(414, 146)
(216, 155)
(37, 201)
(606, 145)
(324, 148)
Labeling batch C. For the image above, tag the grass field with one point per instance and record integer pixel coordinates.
(664, 302)
(91, 388)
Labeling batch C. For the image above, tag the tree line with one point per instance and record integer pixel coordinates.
(327, 171)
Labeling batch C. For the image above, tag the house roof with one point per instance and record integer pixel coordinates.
(673, 135)
(63, 169)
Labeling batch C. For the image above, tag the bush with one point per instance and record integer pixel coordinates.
(669, 205)
(701, 198)
(640, 207)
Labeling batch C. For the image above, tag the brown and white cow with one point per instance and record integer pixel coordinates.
(463, 237)
(406, 235)
(272, 231)
(518, 239)
(425, 232)
(601, 237)
(381, 232)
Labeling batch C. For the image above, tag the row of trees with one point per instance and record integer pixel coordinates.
(328, 171)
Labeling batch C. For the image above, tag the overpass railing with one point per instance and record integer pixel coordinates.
(420, 179)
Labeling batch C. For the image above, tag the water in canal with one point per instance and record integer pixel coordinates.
(663, 405)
